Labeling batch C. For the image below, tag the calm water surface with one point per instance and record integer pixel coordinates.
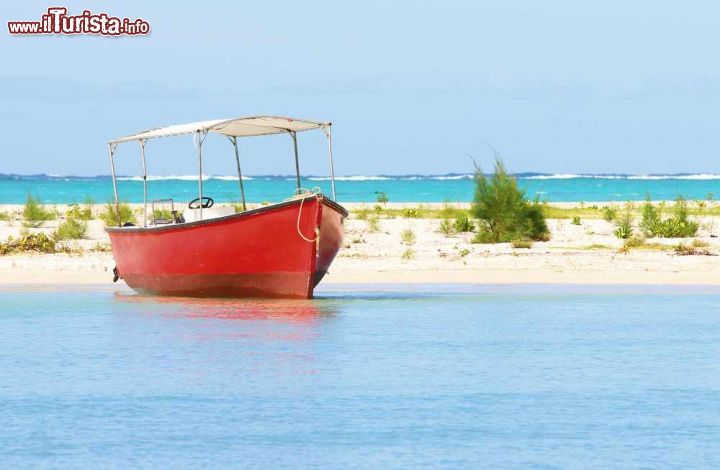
(494, 377)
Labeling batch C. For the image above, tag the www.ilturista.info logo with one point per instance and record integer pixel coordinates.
(57, 21)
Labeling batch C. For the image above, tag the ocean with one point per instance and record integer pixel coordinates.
(365, 377)
(409, 188)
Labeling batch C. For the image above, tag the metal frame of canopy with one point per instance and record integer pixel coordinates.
(232, 129)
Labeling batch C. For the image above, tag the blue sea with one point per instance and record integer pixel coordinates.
(365, 377)
(14, 189)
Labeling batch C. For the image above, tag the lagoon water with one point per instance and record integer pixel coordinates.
(370, 377)
(413, 188)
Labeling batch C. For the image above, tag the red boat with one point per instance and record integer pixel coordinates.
(278, 250)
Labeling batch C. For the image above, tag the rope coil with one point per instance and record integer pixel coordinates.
(302, 194)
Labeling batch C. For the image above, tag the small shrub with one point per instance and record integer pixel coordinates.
(624, 229)
(28, 242)
(700, 243)
(35, 213)
(75, 211)
(361, 213)
(411, 213)
(117, 216)
(450, 212)
(677, 226)
(101, 248)
(609, 213)
(685, 250)
(634, 242)
(382, 197)
(408, 254)
(463, 252)
(463, 224)
(504, 211)
(373, 224)
(71, 229)
(521, 243)
(407, 236)
(4, 216)
(576, 220)
(447, 228)
(483, 235)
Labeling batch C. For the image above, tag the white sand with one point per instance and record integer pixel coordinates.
(377, 257)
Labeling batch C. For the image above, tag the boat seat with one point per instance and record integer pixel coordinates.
(193, 215)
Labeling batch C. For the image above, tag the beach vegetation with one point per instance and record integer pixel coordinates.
(381, 197)
(408, 254)
(449, 211)
(117, 216)
(523, 243)
(678, 225)
(412, 213)
(84, 212)
(623, 225)
(101, 247)
(71, 229)
(373, 224)
(575, 220)
(4, 216)
(609, 213)
(634, 242)
(463, 224)
(597, 246)
(447, 228)
(29, 243)
(35, 214)
(408, 237)
(503, 210)
(690, 250)
(700, 243)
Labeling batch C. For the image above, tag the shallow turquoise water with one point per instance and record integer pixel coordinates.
(438, 376)
(64, 190)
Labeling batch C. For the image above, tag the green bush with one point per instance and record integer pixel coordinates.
(447, 228)
(503, 210)
(463, 224)
(71, 229)
(623, 226)
(609, 213)
(382, 197)
(75, 211)
(28, 242)
(521, 243)
(677, 226)
(35, 213)
(4, 216)
(411, 213)
(576, 220)
(408, 237)
(117, 216)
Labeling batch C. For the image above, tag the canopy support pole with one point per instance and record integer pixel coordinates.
(328, 134)
(145, 192)
(111, 149)
(201, 137)
(233, 139)
(293, 134)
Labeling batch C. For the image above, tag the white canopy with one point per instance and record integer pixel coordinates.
(238, 127)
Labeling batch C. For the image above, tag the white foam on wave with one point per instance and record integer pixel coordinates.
(561, 176)
(451, 177)
(182, 178)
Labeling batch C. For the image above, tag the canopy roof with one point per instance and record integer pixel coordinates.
(237, 127)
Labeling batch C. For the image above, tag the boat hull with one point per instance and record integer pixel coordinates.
(282, 251)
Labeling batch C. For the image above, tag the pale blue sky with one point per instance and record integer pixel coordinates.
(412, 86)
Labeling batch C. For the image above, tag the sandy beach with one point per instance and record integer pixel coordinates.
(374, 252)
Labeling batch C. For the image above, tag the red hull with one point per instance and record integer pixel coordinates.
(257, 253)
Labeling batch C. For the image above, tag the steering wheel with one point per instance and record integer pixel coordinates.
(205, 203)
